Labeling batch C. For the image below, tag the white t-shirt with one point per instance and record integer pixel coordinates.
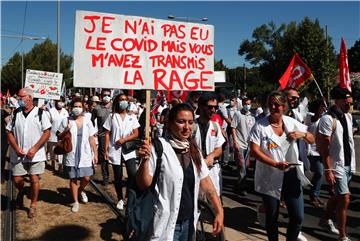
(56, 117)
(119, 128)
(336, 145)
(27, 132)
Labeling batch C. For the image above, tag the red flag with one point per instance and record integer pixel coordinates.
(179, 94)
(344, 67)
(297, 74)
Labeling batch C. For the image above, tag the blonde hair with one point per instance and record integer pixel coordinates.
(279, 98)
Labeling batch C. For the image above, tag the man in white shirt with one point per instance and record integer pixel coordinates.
(56, 115)
(336, 146)
(209, 138)
(27, 133)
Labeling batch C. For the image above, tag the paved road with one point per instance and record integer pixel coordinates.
(241, 217)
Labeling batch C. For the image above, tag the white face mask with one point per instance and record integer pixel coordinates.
(106, 99)
(60, 105)
(77, 111)
(86, 99)
(247, 108)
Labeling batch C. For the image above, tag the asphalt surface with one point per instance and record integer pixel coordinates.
(241, 215)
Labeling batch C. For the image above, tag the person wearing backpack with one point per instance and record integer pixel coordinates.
(27, 134)
(336, 146)
(182, 174)
(209, 138)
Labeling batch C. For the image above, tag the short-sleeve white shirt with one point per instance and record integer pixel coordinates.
(119, 128)
(27, 132)
(336, 145)
(242, 123)
(56, 117)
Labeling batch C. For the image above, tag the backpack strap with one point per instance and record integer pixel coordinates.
(159, 151)
(14, 114)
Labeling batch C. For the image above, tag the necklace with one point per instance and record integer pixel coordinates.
(276, 126)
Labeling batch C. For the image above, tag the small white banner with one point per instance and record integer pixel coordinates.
(46, 85)
(129, 52)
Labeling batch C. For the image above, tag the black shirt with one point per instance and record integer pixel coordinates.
(203, 131)
(186, 210)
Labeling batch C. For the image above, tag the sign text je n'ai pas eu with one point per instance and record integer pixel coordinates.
(128, 52)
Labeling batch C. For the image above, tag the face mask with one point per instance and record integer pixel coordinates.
(247, 108)
(21, 103)
(123, 104)
(60, 105)
(77, 111)
(106, 99)
(86, 99)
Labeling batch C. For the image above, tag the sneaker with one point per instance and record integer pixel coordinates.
(301, 237)
(329, 225)
(120, 205)
(344, 239)
(75, 207)
(32, 212)
(83, 197)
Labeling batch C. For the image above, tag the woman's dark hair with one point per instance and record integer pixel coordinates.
(194, 150)
(315, 105)
(75, 100)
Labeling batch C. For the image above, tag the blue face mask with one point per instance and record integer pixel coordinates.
(123, 105)
(22, 103)
(247, 108)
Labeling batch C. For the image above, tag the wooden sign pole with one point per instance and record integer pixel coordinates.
(147, 117)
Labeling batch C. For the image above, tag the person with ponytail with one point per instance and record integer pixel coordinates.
(121, 127)
(79, 163)
(183, 173)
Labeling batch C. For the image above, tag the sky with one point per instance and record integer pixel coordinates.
(234, 21)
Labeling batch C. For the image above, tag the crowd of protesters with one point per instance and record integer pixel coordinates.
(283, 135)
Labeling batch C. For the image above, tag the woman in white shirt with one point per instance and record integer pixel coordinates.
(79, 163)
(278, 169)
(121, 127)
(183, 173)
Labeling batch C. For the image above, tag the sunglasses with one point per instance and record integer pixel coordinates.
(212, 107)
(294, 98)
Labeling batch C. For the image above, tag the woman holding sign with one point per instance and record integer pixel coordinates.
(183, 173)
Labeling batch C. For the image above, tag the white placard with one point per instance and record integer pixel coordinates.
(129, 52)
(46, 85)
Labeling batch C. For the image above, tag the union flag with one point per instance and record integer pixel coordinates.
(179, 94)
(297, 75)
(344, 67)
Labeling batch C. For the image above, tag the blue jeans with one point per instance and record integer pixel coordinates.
(294, 199)
(317, 167)
(182, 231)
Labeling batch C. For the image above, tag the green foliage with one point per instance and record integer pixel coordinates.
(354, 57)
(43, 57)
(273, 47)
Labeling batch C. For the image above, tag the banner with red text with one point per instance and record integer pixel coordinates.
(129, 52)
(46, 85)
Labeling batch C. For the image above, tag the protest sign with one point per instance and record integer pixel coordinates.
(129, 52)
(46, 85)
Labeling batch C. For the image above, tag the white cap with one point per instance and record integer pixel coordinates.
(95, 98)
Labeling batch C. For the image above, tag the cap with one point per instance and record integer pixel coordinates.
(340, 93)
(95, 98)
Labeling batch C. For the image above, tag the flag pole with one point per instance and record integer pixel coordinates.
(317, 85)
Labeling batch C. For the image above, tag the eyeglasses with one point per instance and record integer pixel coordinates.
(212, 107)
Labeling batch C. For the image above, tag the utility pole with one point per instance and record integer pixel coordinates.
(327, 65)
(244, 70)
(58, 36)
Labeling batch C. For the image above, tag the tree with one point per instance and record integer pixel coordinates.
(43, 57)
(354, 57)
(273, 47)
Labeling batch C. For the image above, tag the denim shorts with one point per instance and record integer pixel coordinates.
(341, 186)
(31, 168)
